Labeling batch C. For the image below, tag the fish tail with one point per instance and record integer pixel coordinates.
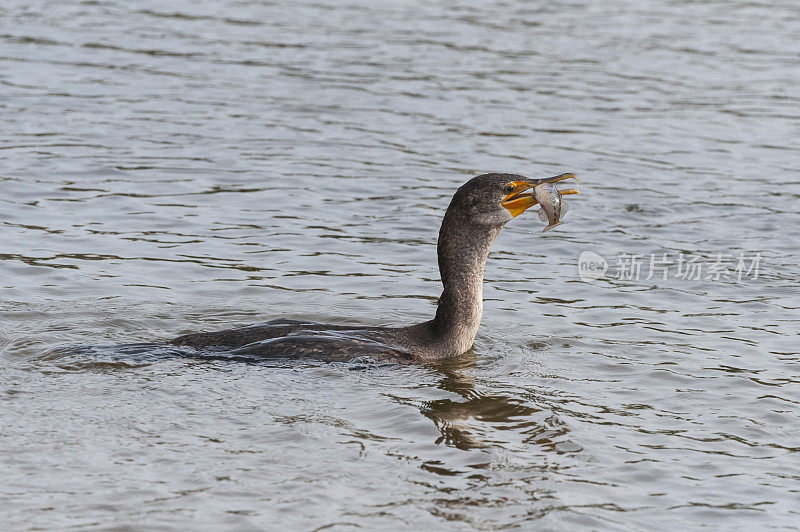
(552, 226)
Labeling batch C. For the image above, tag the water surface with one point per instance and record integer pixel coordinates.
(166, 169)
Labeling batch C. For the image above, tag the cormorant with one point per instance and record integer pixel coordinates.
(477, 212)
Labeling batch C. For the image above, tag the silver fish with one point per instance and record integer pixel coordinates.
(553, 207)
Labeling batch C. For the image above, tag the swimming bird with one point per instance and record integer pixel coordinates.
(476, 214)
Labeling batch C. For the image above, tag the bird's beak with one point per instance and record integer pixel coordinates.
(519, 200)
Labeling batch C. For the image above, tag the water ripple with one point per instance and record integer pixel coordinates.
(165, 170)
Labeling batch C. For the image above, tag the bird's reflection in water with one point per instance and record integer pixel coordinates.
(477, 419)
(458, 420)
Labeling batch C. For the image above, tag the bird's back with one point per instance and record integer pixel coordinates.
(302, 339)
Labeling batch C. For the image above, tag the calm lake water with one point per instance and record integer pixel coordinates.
(172, 168)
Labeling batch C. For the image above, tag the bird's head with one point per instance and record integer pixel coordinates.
(495, 199)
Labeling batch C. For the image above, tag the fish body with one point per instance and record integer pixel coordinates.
(552, 205)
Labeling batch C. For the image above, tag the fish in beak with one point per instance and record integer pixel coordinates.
(517, 200)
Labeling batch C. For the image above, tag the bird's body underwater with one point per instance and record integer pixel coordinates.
(478, 211)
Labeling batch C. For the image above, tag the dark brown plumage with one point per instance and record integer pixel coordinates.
(477, 212)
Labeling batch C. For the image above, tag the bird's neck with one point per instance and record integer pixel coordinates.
(463, 249)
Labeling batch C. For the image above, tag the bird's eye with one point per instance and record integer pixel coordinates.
(509, 189)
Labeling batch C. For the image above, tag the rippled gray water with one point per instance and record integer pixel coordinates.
(169, 168)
